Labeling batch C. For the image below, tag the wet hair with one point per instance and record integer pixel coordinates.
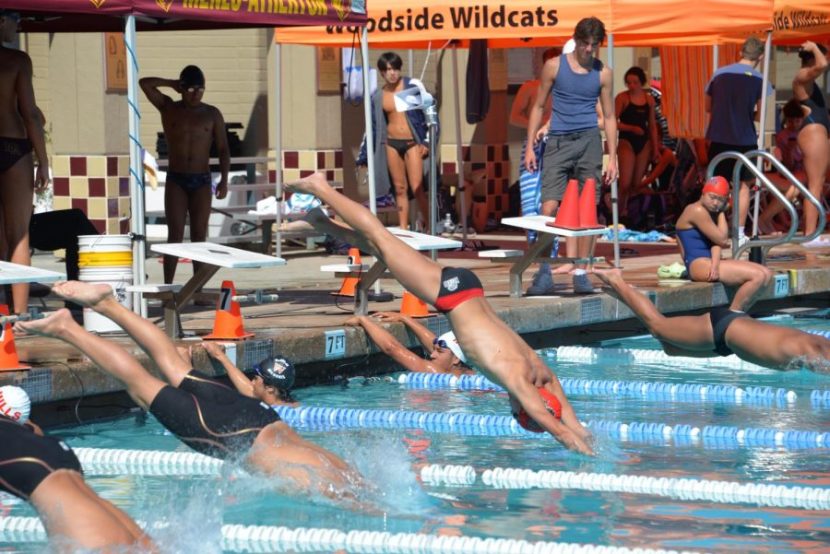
(389, 59)
(792, 109)
(551, 53)
(638, 72)
(192, 76)
(807, 57)
(590, 29)
(752, 49)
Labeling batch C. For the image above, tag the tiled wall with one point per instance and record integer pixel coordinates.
(98, 185)
(494, 159)
(302, 163)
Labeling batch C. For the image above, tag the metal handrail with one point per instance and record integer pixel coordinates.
(737, 248)
(808, 196)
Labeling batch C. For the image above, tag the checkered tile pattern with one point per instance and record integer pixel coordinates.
(495, 159)
(297, 164)
(98, 185)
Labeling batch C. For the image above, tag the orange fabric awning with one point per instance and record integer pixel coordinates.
(414, 24)
(408, 24)
(794, 22)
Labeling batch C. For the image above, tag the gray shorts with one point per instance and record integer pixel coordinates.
(573, 156)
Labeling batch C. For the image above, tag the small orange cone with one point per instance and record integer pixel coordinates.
(588, 206)
(413, 306)
(8, 352)
(228, 323)
(568, 215)
(349, 285)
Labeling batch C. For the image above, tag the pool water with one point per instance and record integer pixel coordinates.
(196, 508)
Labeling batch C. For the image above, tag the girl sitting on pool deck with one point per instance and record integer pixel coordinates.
(536, 396)
(703, 233)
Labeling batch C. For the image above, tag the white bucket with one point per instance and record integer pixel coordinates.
(106, 259)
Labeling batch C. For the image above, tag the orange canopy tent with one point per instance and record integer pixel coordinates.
(412, 24)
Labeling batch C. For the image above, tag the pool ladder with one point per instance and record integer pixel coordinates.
(746, 160)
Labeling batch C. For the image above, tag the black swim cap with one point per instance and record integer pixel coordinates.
(276, 372)
(192, 76)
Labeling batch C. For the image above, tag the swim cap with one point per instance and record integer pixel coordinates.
(276, 372)
(569, 47)
(15, 403)
(551, 403)
(452, 343)
(192, 76)
(718, 185)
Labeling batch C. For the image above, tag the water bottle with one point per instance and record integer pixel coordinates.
(449, 227)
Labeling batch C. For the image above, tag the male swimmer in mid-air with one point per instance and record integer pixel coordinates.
(722, 332)
(536, 396)
(205, 414)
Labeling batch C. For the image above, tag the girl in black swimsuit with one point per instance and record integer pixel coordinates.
(639, 141)
(813, 136)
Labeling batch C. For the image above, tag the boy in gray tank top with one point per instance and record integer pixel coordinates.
(580, 84)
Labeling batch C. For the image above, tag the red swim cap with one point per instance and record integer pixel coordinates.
(718, 185)
(551, 403)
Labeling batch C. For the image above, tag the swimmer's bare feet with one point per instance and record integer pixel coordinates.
(53, 325)
(85, 294)
(609, 276)
(309, 185)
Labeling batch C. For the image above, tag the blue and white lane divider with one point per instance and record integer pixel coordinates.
(260, 538)
(662, 391)
(820, 398)
(110, 461)
(116, 461)
(321, 417)
(726, 492)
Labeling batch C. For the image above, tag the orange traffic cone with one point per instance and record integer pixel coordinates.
(588, 206)
(568, 215)
(8, 352)
(228, 323)
(349, 285)
(413, 306)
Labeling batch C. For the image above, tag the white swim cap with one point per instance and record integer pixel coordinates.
(569, 47)
(452, 344)
(15, 403)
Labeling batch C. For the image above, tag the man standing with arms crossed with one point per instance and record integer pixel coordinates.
(574, 150)
(190, 127)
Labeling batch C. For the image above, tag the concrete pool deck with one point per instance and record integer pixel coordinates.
(298, 323)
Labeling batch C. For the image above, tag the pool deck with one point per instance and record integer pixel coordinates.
(296, 325)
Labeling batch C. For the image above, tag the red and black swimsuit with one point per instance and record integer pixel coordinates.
(458, 285)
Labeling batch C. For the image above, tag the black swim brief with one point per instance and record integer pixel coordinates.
(189, 181)
(458, 285)
(210, 417)
(26, 459)
(11, 150)
(401, 146)
(721, 317)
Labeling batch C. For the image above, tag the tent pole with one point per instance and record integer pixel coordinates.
(615, 208)
(137, 223)
(715, 57)
(367, 119)
(277, 107)
(459, 162)
(762, 131)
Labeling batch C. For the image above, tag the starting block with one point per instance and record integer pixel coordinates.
(213, 257)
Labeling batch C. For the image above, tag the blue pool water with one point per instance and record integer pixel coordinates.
(197, 507)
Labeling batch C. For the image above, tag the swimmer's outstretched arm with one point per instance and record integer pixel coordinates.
(238, 378)
(568, 414)
(390, 346)
(527, 395)
(423, 334)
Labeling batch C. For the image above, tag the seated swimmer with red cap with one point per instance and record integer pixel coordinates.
(703, 233)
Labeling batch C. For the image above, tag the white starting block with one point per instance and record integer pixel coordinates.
(539, 250)
(213, 257)
(12, 274)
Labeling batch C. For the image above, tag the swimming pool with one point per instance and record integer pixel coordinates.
(194, 509)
